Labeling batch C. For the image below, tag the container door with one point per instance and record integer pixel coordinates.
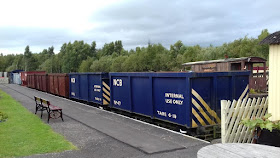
(120, 92)
(141, 91)
(203, 102)
(14, 78)
(95, 90)
(62, 85)
(74, 86)
(240, 86)
(56, 84)
(224, 91)
(84, 87)
(44, 83)
(170, 99)
(51, 78)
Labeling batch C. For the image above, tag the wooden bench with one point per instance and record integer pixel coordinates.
(45, 105)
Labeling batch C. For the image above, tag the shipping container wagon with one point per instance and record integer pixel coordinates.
(59, 84)
(90, 87)
(16, 78)
(11, 76)
(42, 83)
(31, 81)
(186, 99)
(23, 76)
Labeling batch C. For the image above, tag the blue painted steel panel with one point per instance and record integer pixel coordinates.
(91, 87)
(96, 88)
(84, 87)
(141, 98)
(170, 99)
(121, 92)
(189, 99)
(74, 84)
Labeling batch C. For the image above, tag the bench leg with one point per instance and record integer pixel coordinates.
(36, 110)
(41, 113)
(49, 115)
(61, 115)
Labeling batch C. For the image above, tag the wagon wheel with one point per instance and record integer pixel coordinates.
(55, 114)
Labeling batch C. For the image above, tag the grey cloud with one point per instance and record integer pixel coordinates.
(160, 21)
(203, 22)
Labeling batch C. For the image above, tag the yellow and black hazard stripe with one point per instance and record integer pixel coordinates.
(106, 93)
(245, 93)
(202, 113)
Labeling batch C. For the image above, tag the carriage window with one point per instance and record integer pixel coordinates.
(235, 66)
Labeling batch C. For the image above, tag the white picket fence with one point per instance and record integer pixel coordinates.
(233, 112)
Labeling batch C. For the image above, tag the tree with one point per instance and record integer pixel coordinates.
(108, 49)
(27, 54)
(93, 51)
(73, 54)
(118, 47)
(51, 51)
(85, 65)
(117, 64)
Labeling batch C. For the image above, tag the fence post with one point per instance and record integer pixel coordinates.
(223, 120)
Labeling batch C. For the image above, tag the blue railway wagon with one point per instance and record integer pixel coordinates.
(90, 87)
(188, 99)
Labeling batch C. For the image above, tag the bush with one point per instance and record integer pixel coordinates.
(3, 116)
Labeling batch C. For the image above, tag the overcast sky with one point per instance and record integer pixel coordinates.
(41, 24)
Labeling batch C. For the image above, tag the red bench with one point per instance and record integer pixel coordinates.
(44, 105)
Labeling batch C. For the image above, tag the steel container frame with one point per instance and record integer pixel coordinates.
(90, 87)
(188, 99)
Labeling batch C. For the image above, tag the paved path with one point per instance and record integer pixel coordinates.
(99, 133)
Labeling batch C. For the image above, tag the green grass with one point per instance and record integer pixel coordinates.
(25, 134)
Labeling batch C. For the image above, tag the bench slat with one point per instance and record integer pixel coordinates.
(52, 107)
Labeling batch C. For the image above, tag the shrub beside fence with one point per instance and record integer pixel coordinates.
(233, 112)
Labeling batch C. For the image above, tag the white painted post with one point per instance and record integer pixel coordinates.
(274, 73)
(223, 120)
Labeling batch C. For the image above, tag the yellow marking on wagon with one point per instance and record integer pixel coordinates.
(104, 90)
(212, 112)
(194, 123)
(105, 85)
(105, 96)
(198, 117)
(204, 114)
(105, 102)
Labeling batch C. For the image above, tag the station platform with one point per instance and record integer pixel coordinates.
(100, 133)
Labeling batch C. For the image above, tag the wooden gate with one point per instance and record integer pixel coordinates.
(233, 112)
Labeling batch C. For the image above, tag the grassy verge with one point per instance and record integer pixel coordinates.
(25, 134)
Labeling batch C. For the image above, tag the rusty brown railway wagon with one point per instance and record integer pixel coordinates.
(258, 80)
(59, 84)
(31, 81)
(27, 79)
(42, 83)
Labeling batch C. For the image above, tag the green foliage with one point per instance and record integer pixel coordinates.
(3, 116)
(252, 91)
(93, 51)
(85, 65)
(102, 65)
(263, 123)
(118, 64)
(73, 54)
